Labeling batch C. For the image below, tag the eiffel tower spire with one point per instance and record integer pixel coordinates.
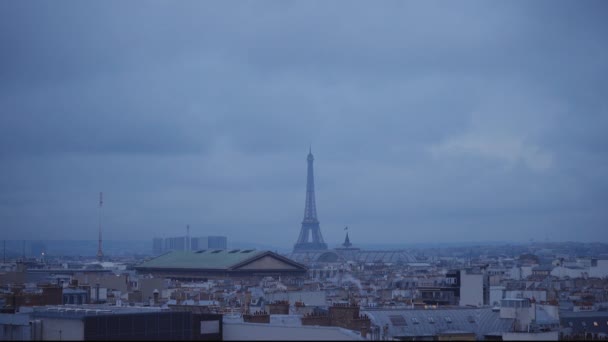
(310, 223)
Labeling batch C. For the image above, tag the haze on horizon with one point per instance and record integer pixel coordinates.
(429, 121)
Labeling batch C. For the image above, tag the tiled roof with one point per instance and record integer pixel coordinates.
(418, 322)
(208, 259)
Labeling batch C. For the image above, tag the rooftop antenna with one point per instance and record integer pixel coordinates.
(99, 251)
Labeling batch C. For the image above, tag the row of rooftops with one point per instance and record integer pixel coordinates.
(79, 311)
(418, 322)
(581, 322)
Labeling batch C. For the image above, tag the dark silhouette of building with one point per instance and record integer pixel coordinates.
(310, 224)
(99, 323)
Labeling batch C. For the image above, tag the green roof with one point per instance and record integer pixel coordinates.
(209, 259)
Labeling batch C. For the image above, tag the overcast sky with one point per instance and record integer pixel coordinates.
(445, 121)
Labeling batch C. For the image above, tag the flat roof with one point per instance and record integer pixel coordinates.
(79, 311)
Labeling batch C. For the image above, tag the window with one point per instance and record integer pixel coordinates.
(448, 319)
(595, 324)
(471, 319)
(415, 320)
(431, 320)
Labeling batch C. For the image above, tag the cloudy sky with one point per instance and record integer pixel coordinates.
(430, 121)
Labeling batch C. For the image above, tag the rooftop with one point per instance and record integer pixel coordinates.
(210, 258)
(421, 322)
(79, 311)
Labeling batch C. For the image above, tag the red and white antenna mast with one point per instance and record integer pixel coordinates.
(99, 251)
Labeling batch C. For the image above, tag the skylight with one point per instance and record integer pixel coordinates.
(397, 320)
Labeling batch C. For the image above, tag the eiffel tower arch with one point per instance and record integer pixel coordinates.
(310, 238)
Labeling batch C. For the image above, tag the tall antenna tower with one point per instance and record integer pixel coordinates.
(99, 251)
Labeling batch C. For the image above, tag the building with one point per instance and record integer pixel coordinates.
(179, 243)
(15, 327)
(440, 324)
(347, 253)
(443, 292)
(584, 325)
(93, 323)
(218, 264)
(157, 246)
(341, 321)
(175, 244)
(285, 328)
(43, 294)
(474, 288)
(209, 242)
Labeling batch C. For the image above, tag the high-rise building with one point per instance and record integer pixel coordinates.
(179, 243)
(175, 244)
(209, 242)
(157, 246)
(310, 224)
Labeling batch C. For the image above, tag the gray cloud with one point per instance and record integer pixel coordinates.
(429, 120)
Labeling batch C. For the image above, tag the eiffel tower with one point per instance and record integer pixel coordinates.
(310, 224)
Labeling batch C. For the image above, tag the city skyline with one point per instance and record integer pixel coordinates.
(430, 122)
